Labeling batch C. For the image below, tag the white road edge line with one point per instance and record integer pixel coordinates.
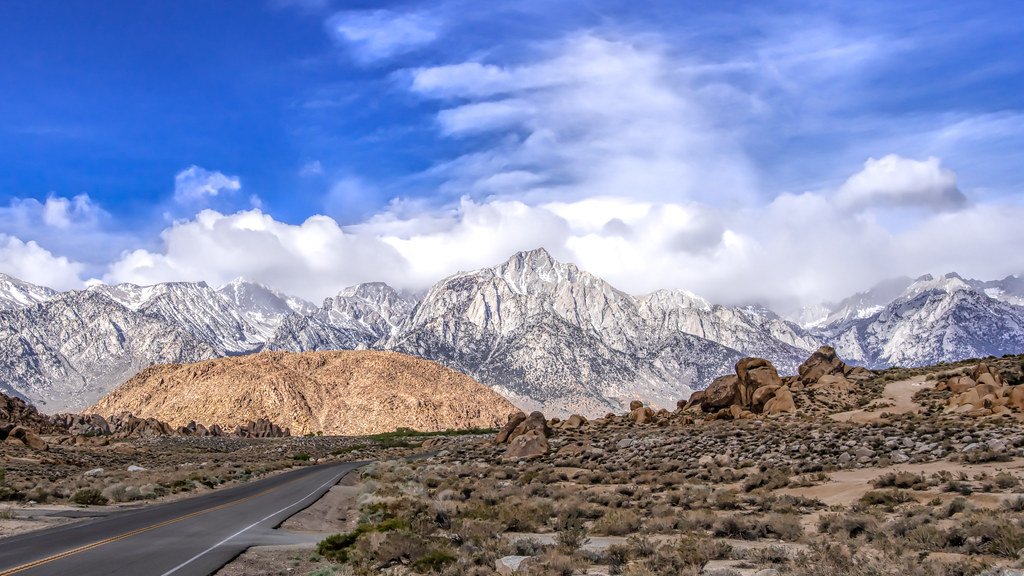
(334, 480)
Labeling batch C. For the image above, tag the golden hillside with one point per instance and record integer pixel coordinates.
(339, 392)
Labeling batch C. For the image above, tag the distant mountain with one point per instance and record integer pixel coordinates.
(1009, 289)
(70, 350)
(358, 317)
(16, 293)
(932, 320)
(550, 335)
(264, 308)
(195, 308)
(860, 305)
(543, 333)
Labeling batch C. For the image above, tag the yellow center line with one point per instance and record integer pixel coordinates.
(138, 531)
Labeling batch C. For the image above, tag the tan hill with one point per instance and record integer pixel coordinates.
(337, 392)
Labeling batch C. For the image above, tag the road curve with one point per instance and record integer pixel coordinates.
(190, 537)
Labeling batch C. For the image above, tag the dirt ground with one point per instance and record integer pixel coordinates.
(897, 398)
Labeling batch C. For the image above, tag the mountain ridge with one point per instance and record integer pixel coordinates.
(545, 333)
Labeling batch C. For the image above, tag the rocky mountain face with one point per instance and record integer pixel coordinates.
(551, 336)
(933, 320)
(263, 308)
(336, 393)
(358, 317)
(543, 333)
(73, 348)
(195, 308)
(16, 293)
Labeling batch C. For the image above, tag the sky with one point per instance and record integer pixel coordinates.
(783, 153)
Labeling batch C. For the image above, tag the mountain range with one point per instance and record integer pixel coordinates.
(543, 333)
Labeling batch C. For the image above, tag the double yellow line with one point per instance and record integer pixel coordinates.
(136, 532)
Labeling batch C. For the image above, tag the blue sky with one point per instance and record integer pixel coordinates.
(707, 146)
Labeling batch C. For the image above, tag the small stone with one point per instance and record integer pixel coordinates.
(510, 565)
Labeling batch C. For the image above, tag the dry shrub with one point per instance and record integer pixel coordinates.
(617, 523)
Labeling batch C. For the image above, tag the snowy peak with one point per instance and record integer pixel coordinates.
(1009, 289)
(935, 319)
(678, 298)
(359, 316)
(860, 305)
(15, 293)
(374, 305)
(948, 283)
(263, 307)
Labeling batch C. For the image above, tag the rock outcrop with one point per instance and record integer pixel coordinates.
(755, 388)
(983, 393)
(336, 393)
(525, 436)
(825, 362)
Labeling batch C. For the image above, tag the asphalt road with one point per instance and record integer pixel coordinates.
(194, 536)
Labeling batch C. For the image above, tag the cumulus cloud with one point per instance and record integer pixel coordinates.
(76, 227)
(312, 259)
(373, 35)
(896, 181)
(33, 263)
(196, 185)
(799, 248)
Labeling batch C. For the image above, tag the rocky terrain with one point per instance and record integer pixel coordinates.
(543, 333)
(829, 469)
(334, 393)
(726, 484)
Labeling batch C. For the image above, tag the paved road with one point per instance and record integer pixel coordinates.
(195, 536)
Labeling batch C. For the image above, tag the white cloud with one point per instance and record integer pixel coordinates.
(896, 181)
(63, 213)
(312, 168)
(798, 248)
(312, 259)
(591, 117)
(57, 212)
(374, 35)
(33, 263)
(196, 185)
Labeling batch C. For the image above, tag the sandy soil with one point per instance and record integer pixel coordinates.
(897, 398)
(276, 561)
(847, 486)
(19, 520)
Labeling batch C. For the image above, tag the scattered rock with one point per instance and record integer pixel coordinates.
(511, 565)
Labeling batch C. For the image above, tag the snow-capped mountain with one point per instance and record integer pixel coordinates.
(754, 331)
(860, 305)
(358, 317)
(546, 334)
(549, 335)
(70, 350)
(1009, 289)
(195, 308)
(932, 320)
(264, 308)
(16, 293)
